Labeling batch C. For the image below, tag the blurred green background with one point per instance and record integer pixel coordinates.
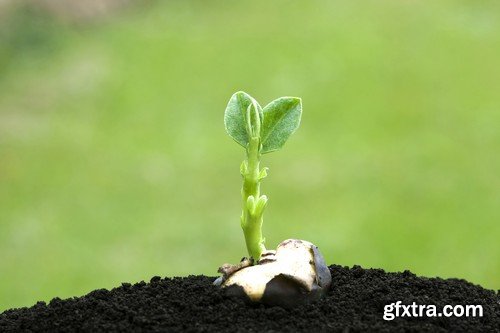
(114, 163)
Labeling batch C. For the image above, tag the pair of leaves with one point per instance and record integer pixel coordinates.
(278, 120)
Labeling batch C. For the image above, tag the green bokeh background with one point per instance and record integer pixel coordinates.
(114, 163)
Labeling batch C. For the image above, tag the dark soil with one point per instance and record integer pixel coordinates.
(355, 303)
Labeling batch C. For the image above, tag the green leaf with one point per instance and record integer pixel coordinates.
(281, 119)
(235, 120)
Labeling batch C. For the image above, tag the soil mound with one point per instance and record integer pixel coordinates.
(355, 303)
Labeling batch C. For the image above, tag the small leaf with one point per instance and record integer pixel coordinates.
(235, 116)
(251, 204)
(260, 205)
(263, 173)
(254, 120)
(281, 119)
(244, 168)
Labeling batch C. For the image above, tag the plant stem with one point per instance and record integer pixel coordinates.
(253, 203)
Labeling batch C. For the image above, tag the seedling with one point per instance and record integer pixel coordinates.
(259, 131)
(296, 270)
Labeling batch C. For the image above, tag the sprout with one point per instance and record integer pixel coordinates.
(259, 131)
(296, 271)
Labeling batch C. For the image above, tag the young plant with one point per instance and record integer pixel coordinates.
(295, 272)
(260, 131)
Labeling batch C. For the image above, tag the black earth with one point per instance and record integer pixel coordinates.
(355, 303)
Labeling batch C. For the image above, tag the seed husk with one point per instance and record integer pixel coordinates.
(293, 274)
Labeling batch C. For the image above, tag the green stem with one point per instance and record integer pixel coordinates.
(253, 202)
